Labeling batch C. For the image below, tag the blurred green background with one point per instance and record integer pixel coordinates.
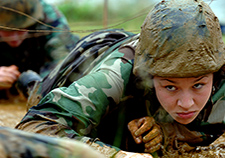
(86, 16)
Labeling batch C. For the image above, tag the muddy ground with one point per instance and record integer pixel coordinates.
(12, 111)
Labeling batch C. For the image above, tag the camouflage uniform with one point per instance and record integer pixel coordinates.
(94, 92)
(19, 144)
(107, 97)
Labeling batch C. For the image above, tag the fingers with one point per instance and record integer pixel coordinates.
(154, 142)
(152, 149)
(132, 126)
(10, 71)
(8, 75)
(147, 123)
(156, 130)
(153, 139)
(13, 67)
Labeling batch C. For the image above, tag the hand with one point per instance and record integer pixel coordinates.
(8, 75)
(152, 139)
(125, 154)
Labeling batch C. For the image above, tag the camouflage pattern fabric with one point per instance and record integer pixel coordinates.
(98, 46)
(58, 44)
(80, 101)
(19, 144)
(77, 63)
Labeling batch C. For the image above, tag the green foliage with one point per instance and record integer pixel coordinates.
(76, 12)
(87, 16)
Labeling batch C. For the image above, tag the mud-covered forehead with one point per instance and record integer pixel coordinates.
(180, 38)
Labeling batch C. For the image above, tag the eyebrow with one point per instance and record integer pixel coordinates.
(198, 79)
(168, 80)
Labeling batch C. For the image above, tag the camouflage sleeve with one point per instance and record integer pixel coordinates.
(76, 110)
(16, 143)
(61, 41)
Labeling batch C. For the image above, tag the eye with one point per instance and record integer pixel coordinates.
(198, 85)
(170, 88)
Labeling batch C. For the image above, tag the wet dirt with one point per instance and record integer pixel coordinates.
(12, 111)
(214, 150)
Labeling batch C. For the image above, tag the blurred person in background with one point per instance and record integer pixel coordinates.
(34, 38)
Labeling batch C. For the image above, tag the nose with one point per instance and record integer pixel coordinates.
(185, 100)
(10, 36)
(14, 34)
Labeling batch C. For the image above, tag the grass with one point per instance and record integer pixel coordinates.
(85, 28)
(85, 18)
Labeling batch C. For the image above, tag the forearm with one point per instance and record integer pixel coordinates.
(16, 143)
(81, 105)
(58, 130)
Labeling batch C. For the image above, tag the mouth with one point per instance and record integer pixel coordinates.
(186, 115)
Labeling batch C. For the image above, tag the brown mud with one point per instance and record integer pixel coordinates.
(12, 111)
(214, 150)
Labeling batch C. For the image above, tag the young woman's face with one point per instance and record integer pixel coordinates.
(13, 38)
(183, 98)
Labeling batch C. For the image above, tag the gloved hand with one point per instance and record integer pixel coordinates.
(26, 82)
(154, 136)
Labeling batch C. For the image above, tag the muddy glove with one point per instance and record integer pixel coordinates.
(154, 136)
(26, 81)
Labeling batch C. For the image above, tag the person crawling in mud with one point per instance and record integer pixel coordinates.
(149, 92)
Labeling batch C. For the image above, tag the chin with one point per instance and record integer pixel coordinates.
(184, 121)
(14, 43)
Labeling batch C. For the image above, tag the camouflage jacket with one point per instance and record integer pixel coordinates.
(94, 93)
(41, 51)
(19, 144)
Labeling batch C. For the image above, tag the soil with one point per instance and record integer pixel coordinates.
(12, 111)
